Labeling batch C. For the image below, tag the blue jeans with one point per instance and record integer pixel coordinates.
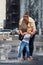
(31, 46)
(22, 45)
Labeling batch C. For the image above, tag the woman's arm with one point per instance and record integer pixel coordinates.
(21, 32)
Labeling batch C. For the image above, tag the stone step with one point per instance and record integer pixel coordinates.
(42, 31)
(15, 43)
(39, 38)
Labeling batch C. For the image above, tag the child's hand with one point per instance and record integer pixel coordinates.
(29, 32)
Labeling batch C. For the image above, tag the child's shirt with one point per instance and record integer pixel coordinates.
(26, 38)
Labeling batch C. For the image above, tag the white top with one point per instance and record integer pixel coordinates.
(26, 38)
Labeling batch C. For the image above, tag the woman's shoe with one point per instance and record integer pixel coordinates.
(31, 58)
(20, 59)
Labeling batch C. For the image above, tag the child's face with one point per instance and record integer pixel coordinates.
(30, 29)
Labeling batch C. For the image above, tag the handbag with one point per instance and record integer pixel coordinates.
(20, 37)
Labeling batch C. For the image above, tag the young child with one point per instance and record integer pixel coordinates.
(25, 30)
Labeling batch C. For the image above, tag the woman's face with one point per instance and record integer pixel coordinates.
(26, 18)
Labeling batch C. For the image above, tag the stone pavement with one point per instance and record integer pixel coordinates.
(12, 55)
(36, 61)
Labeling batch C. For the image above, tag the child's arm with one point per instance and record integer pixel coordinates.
(29, 31)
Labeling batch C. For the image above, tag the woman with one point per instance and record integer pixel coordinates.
(31, 41)
(25, 31)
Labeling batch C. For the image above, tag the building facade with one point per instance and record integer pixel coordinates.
(12, 14)
(2, 12)
(13, 10)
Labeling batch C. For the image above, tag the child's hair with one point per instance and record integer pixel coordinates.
(24, 26)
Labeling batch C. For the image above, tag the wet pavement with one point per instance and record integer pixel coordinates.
(12, 56)
(38, 60)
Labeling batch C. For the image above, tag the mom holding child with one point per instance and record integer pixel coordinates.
(27, 30)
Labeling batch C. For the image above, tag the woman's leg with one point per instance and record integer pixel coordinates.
(31, 45)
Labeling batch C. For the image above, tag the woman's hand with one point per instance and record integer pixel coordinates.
(24, 33)
(31, 33)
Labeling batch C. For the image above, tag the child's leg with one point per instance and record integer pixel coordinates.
(22, 45)
(27, 50)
